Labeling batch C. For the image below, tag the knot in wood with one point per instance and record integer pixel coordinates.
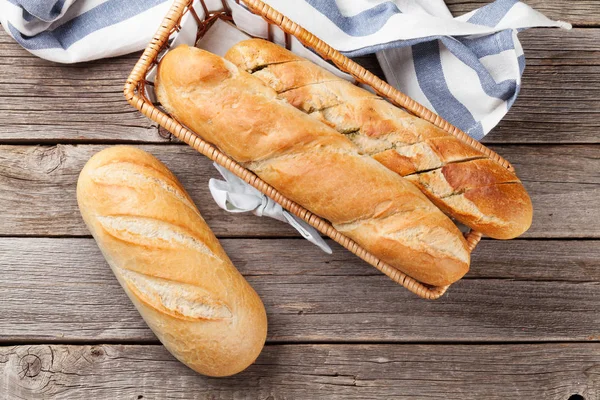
(31, 365)
(96, 351)
(163, 133)
(50, 158)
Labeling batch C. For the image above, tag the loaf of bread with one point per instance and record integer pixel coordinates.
(311, 164)
(459, 179)
(169, 262)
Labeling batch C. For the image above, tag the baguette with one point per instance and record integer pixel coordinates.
(311, 164)
(169, 262)
(460, 180)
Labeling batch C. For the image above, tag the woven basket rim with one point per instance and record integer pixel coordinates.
(134, 93)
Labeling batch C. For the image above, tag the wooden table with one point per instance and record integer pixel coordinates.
(524, 323)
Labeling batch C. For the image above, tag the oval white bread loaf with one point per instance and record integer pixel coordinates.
(459, 179)
(169, 262)
(311, 164)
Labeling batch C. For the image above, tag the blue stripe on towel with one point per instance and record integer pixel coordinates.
(501, 90)
(491, 14)
(489, 45)
(365, 23)
(389, 45)
(430, 76)
(106, 14)
(41, 9)
(521, 60)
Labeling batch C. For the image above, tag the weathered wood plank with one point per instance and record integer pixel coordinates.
(37, 190)
(551, 260)
(38, 187)
(561, 48)
(62, 290)
(44, 101)
(578, 12)
(548, 371)
(544, 260)
(559, 101)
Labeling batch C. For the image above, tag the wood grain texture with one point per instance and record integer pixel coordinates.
(41, 101)
(62, 290)
(42, 181)
(559, 101)
(563, 181)
(578, 12)
(548, 371)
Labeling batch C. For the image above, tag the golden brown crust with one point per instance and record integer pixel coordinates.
(312, 164)
(291, 75)
(169, 262)
(476, 173)
(252, 58)
(404, 143)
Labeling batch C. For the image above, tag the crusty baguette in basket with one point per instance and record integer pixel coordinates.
(169, 262)
(311, 164)
(462, 181)
(138, 92)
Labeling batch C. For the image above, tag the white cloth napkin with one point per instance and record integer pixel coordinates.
(235, 196)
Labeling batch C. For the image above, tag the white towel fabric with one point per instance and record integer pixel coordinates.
(236, 196)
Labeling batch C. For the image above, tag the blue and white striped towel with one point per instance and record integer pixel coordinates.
(467, 69)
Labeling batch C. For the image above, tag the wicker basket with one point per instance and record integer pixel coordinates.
(136, 95)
